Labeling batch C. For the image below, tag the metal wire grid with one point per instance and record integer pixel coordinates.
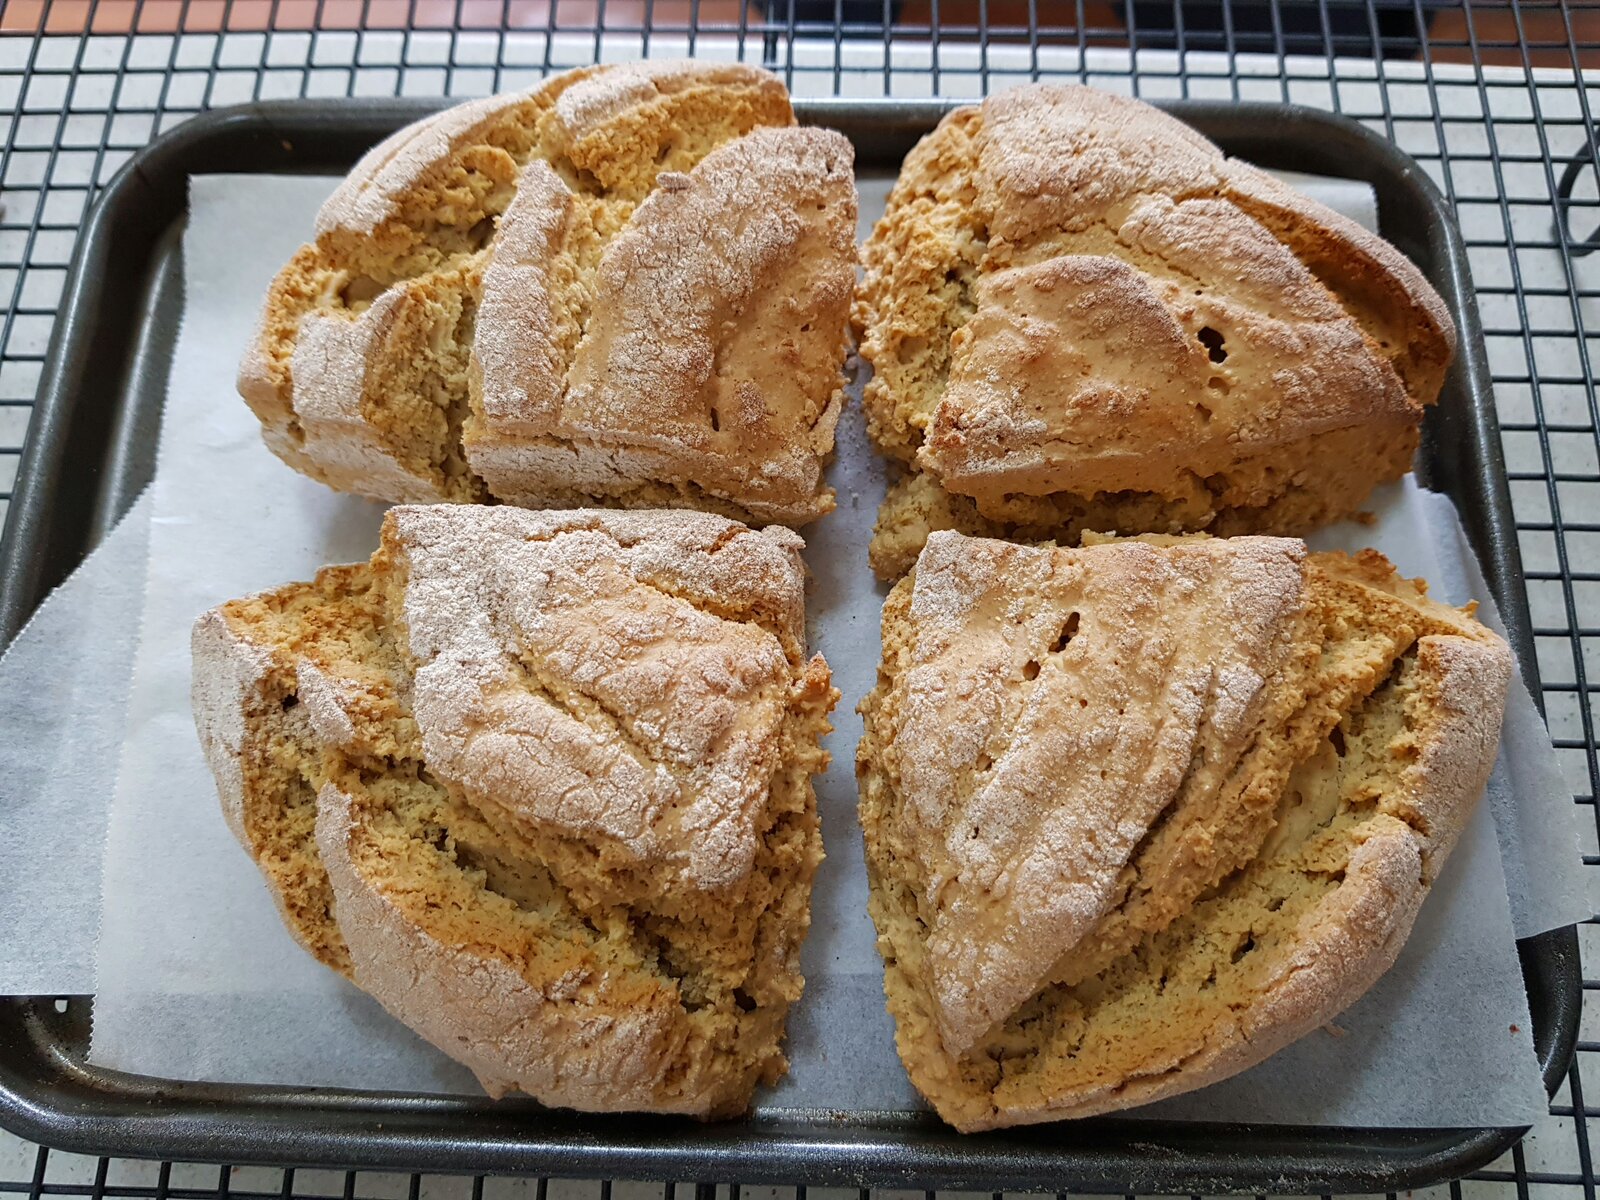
(1491, 97)
(106, 1179)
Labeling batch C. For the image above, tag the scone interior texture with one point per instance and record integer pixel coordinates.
(1140, 814)
(629, 285)
(541, 784)
(1081, 316)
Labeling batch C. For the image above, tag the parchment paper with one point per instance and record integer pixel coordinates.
(198, 980)
(63, 701)
(1536, 820)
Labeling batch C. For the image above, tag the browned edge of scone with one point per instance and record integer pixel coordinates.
(546, 958)
(1225, 905)
(275, 679)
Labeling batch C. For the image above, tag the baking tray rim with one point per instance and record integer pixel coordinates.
(106, 1112)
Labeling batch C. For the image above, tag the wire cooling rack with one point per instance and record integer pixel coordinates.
(1491, 97)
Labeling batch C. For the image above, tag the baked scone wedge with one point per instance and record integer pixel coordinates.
(629, 285)
(541, 784)
(1081, 316)
(1140, 814)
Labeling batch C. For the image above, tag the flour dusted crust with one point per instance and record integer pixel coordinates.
(755, 240)
(629, 285)
(565, 678)
(1140, 814)
(540, 782)
(1080, 315)
(374, 191)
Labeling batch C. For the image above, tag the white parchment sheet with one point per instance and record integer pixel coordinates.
(197, 978)
(63, 702)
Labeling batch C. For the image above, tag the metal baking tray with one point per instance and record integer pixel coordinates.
(91, 449)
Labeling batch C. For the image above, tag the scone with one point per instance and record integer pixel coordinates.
(1081, 316)
(628, 286)
(541, 784)
(1140, 814)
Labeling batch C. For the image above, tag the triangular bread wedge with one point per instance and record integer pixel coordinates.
(628, 285)
(1141, 813)
(540, 783)
(1081, 315)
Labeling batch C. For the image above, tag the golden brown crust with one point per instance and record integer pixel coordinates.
(1074, 301)
(728, 293)
(548, 1027)
(1084, 374)
(374, 191)
(262, 703)
(1251, 496)
(1139, 814)
(565, 676)
(558, 295)
(1003, 694)
(541, 783)
(1372, 278)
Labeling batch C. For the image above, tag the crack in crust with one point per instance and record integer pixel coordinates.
(540, 782)
(629, 285)
(1139, 814)
(1080, 315)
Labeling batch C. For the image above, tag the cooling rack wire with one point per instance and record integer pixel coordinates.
(1496, 98)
